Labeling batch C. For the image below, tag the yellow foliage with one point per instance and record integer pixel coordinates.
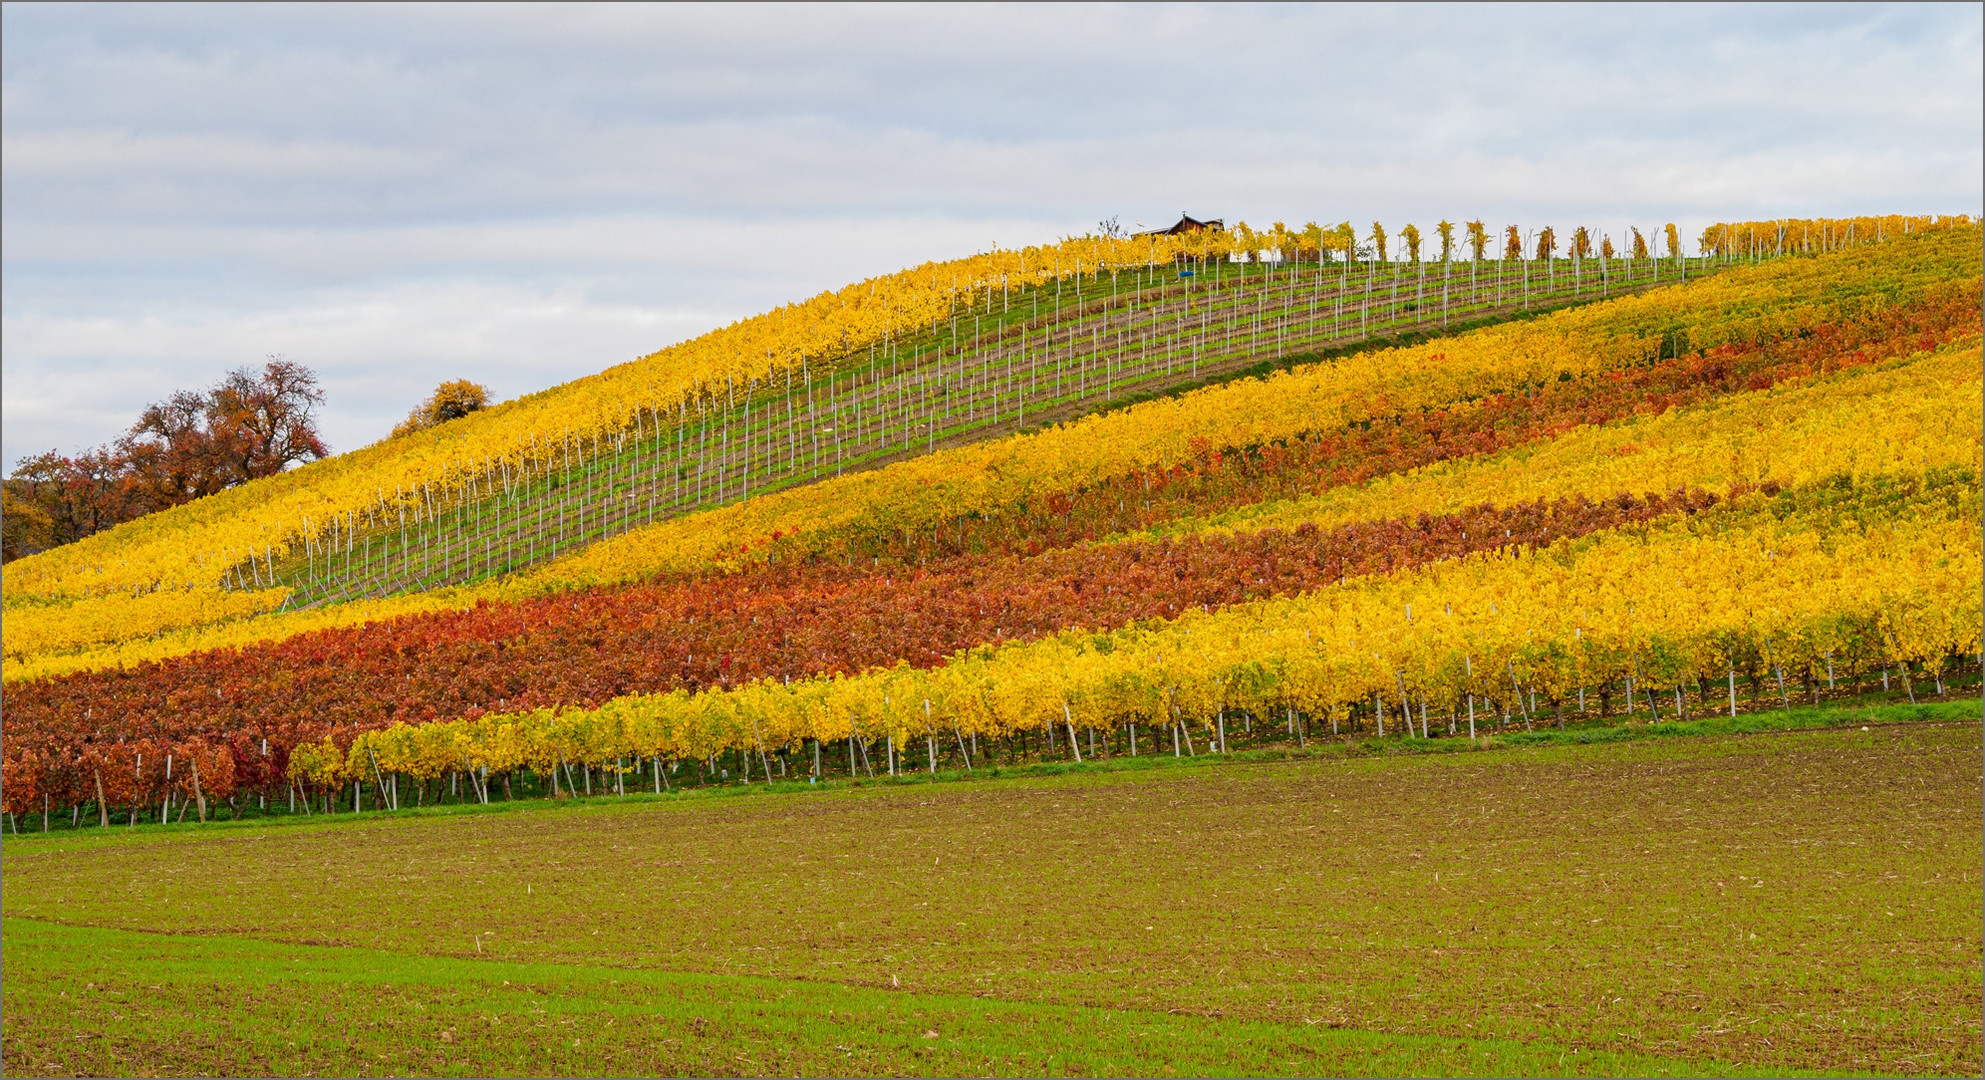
(190, 547)
(1922, 412)
(1684, 599)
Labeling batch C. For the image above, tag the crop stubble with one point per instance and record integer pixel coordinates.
(1806, 900)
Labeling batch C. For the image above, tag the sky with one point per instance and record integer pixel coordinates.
(521, 195)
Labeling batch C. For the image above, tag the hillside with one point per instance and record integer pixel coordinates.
(939, 515)
(880, 371)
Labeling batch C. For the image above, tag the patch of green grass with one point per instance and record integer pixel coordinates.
(1799, 900)
(108, 1002)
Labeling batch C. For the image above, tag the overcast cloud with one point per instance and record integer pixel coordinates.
(521, 195)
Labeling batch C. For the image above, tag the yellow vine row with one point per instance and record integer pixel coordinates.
(1665, 605)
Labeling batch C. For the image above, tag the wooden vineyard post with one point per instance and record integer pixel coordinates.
(760, 739)
(378, 782)
(962, 751)
(1901, 665)
(197, 792)
(1527, 725)
(1468, 663)
(1779, 670)
(1405, 705)
(1654, 713)
(853, 740)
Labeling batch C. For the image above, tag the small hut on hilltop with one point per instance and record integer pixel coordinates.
(1187, 223)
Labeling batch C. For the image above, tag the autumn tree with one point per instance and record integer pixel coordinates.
(450, 401)
(25, 527)
(59, 500)
(1347, 240)
(170, 452)
(1282, 241)
(1478, 239)
(261, 424)
(1248, 242)
(250, 425)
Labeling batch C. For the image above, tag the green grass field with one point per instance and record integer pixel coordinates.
(1771, 903)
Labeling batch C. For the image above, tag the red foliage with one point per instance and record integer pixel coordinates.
(776, 622)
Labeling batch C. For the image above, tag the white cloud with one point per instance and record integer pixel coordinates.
(377, 352)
